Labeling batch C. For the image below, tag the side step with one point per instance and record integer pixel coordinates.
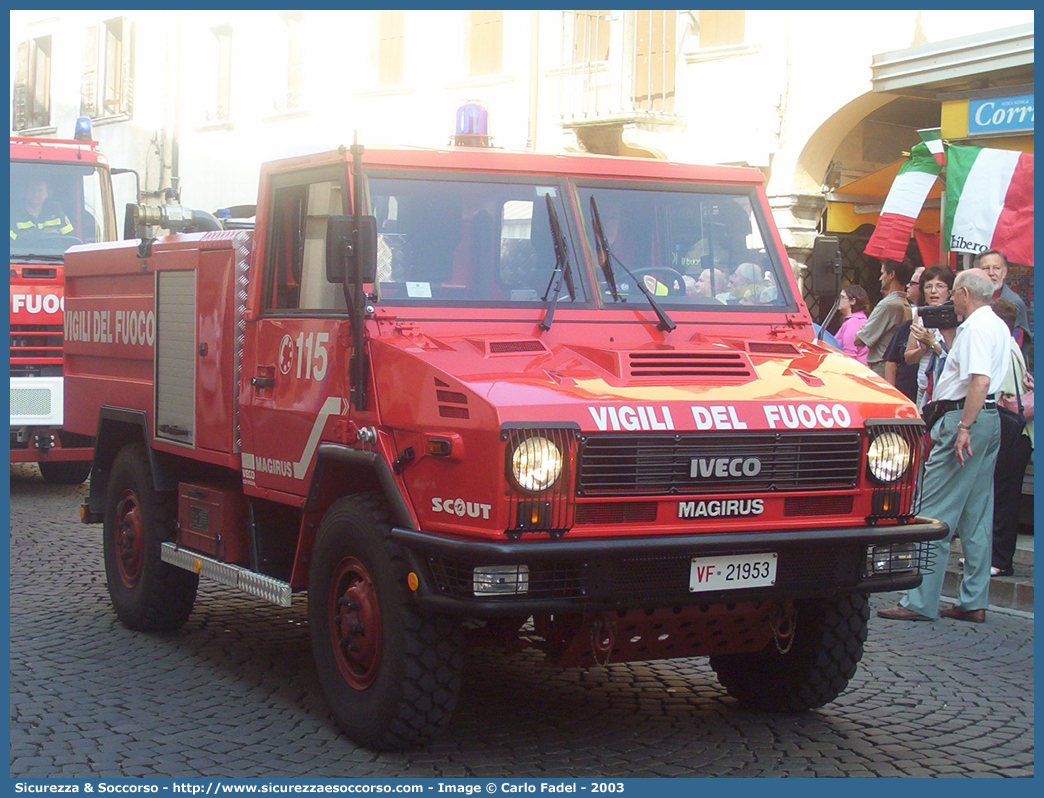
(259, 585)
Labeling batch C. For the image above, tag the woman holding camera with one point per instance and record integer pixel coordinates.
(926, 344)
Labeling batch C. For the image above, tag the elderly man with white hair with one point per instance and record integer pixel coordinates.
(958, 478)
(740, 283)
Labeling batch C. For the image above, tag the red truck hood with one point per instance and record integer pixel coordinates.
(714, 384)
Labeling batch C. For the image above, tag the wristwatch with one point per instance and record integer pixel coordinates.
(962, 425)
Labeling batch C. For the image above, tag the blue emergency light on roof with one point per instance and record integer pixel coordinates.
(83, 129)
(472, 126)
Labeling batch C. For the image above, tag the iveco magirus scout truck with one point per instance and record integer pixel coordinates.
(463, 397)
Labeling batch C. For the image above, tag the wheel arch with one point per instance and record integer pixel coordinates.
(343, 471)
(119, 427)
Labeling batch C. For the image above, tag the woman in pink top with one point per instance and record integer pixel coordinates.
(853, 306)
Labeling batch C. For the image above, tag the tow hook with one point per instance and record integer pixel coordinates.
(603, 638)
(783, 621)
(44, 441)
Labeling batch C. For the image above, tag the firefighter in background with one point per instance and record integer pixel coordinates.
(38, 214)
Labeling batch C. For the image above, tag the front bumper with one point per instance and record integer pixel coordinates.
(649, 572)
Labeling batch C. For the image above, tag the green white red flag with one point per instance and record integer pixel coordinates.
(932, 138)
(902, 205)
(989, 202)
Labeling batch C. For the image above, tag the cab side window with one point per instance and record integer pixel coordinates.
(297, 249)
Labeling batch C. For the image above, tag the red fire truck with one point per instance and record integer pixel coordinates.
(475, 397)
(61, 195)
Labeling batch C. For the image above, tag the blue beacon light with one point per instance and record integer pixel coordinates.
(472, 125)
(83, 129)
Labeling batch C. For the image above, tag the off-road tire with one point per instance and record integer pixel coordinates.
(68, 472)
(148, 594)
(399, 685)
(827, 646)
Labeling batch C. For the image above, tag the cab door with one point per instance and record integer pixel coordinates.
(297, 348)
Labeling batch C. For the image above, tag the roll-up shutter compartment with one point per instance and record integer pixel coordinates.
(176, 356)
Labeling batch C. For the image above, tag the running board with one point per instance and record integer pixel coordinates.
(255, 584)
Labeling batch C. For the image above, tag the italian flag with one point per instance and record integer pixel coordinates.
(932, 137)
(989, 202)
(904, 202)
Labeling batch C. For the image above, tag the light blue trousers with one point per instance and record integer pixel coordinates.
(961, 496)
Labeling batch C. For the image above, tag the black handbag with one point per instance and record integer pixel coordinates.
(932, 412)
(1012, 424)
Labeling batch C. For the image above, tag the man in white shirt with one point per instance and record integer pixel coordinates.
(958, 478)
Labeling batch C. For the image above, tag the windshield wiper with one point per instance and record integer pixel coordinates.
(605, 259)
(563, 271)
(32, 256)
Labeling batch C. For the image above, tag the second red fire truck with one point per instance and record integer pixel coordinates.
(468, 397)
(61, 195)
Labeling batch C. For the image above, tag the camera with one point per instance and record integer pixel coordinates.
(940, 317)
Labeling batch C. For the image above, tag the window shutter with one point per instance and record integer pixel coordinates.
(21, 89)
(721, 28)
(127, 82)
(40, 82)
(590, 36)
(89, 81)
(486, 29)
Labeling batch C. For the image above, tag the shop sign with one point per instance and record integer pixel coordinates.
(1001, 114)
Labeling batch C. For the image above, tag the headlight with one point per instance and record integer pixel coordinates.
(536, 464)
(888, 457)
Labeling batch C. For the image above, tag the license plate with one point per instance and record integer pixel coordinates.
(732, 572)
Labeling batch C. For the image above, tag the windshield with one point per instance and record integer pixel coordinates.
(54, 206)
(467, 241)
(690, 248)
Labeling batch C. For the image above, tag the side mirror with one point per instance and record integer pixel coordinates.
(825, 266)
(349, 251)
(130, 227)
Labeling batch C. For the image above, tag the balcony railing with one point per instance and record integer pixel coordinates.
(617, 66)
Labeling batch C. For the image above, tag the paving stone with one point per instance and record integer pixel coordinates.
(234, 694)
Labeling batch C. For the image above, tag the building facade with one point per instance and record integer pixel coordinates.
(197, 99)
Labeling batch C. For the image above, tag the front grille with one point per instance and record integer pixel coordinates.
(31, 402)
(719, 462)
(616, 513)
(817, 505)
(36, 343)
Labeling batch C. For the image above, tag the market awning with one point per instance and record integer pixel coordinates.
(859, 202)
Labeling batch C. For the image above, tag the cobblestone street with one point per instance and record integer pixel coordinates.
(235, 694)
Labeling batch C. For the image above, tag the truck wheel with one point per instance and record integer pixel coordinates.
(148, 594)
(390, 673)
(827, 646)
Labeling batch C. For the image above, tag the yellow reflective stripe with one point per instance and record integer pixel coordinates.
(14, 234)
(49, 223)
(26, 225)
(67, 229)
